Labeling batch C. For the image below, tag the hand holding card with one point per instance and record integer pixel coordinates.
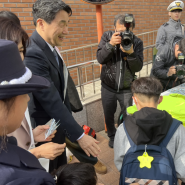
(53, 126)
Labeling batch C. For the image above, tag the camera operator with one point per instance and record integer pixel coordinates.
(168, 65)
(121, 54)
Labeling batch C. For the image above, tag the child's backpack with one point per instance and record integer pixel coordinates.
(162, 169)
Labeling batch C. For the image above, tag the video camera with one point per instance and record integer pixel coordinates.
(181, 67)
(127, 36)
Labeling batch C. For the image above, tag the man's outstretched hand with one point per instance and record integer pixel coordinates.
(89, 145)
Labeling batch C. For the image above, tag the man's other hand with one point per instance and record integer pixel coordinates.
(130, 51)
(171, 71)
(116, 39)
(89, 145)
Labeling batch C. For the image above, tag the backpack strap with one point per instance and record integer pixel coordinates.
(175, 124)
(130, 140)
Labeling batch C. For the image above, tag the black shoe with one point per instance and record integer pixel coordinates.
(111, 143)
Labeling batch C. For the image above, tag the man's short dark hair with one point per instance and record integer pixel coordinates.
(147, 86)
(76, 174)
(121, 19)
(181, 44)
(47, 10)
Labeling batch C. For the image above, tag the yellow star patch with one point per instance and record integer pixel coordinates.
(145, 160)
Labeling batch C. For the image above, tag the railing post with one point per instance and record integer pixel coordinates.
(147, 63)
(93, 79)
(80, 83)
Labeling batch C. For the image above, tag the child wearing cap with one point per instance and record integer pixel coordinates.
(173, 26)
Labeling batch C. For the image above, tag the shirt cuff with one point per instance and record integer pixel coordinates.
(80, 136)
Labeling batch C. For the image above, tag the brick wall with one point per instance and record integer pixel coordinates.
(149, 15)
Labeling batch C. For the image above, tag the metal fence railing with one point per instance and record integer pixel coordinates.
(88, 53)
(81, 70)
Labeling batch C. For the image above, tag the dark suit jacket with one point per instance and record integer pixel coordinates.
(47, 104)
(19, 167)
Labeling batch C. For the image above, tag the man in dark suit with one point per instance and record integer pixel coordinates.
(51, 18)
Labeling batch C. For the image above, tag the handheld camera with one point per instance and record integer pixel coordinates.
(127, 36)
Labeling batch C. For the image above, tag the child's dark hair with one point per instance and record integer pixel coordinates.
(10, 30)
(76, 174)
(148, 86)
(10, 15)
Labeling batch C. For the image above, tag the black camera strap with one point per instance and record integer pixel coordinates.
(120, 64)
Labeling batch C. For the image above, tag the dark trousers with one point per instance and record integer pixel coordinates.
(109, 102)
(73, 147)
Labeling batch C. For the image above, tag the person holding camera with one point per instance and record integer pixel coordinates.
(169, 63)
(121, 54)
(173, 26)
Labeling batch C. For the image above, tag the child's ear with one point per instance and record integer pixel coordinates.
(135, 100)
(160, 99)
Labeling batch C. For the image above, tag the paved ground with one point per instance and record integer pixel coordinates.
(106, 157)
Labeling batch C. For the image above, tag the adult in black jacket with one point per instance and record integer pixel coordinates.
(51, 19)
(166, 60)
(117, 74)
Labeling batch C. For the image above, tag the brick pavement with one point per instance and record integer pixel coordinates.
(106, 157)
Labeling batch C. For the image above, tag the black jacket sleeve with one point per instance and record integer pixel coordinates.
(135, 60)
(159, 69)
(103, 54)
(50, 98)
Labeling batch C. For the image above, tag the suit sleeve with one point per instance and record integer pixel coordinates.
(161, 38)
(103, 54)
(135, 60)
(50, 98)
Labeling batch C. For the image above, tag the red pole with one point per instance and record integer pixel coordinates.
(100, 32)
(99, 21)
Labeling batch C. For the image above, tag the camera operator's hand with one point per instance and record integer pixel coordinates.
(116, 39)
(171, 71)
(129, 51)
